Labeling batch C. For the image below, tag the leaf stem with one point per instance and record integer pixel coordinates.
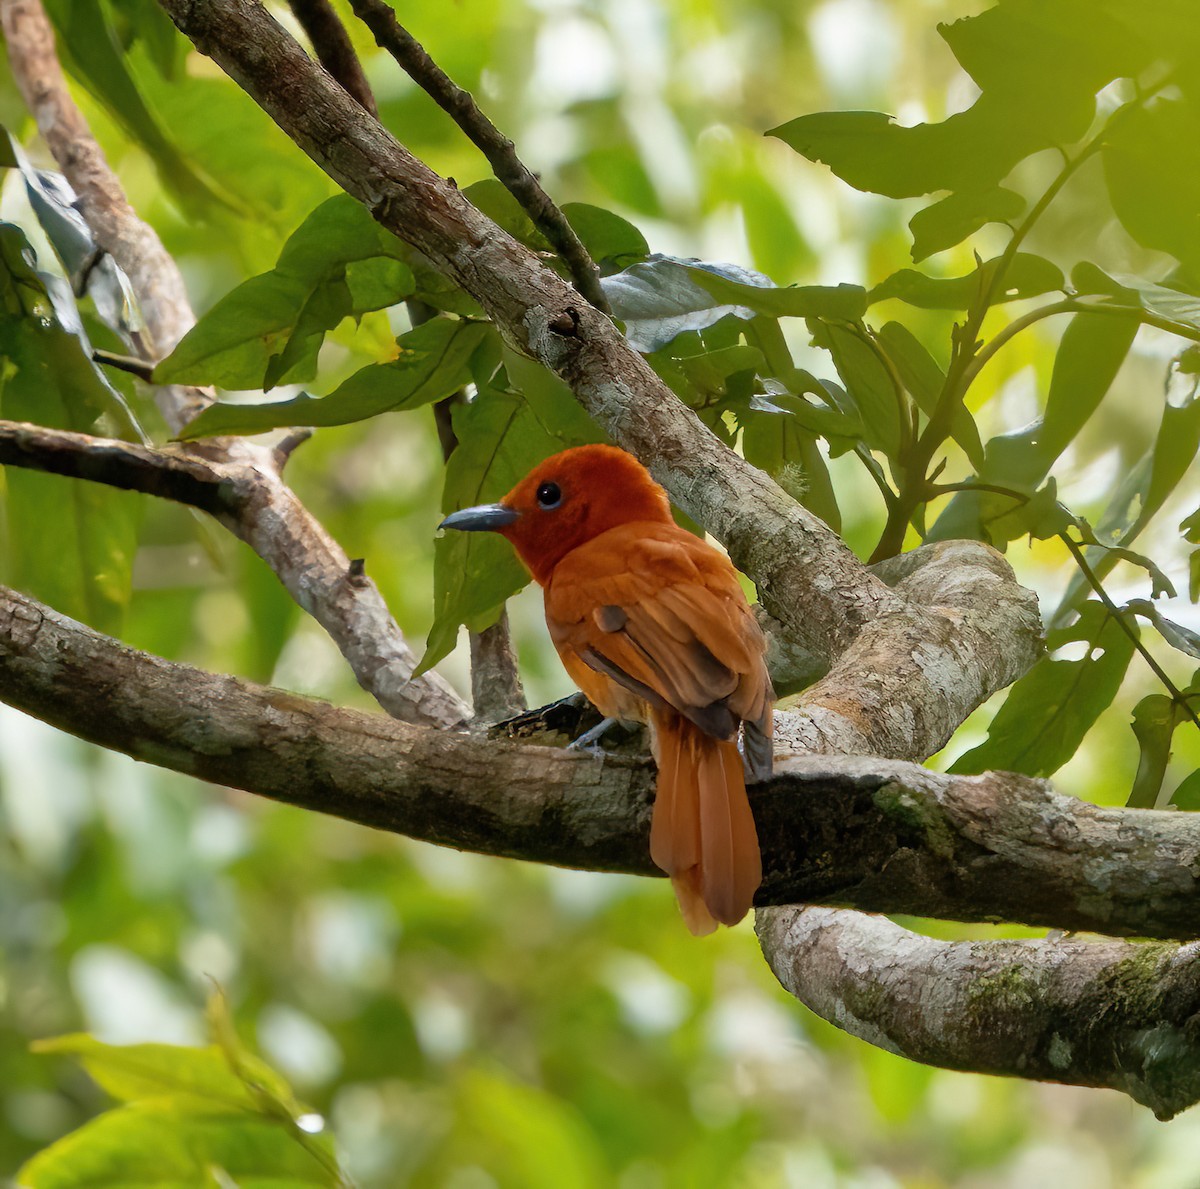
(1176, 694)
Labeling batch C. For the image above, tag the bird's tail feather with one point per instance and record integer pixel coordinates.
(703, 834)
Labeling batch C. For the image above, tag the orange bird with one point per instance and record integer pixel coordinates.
(652, 625)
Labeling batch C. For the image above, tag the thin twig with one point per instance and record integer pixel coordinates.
(142, 368)
(1176, 694)
(334, 49)
(495, 146)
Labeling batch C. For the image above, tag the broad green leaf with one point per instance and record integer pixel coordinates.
(1157, 213)
(338, 264)
(502, 435)
(193, 1077)
(494, 199)
(867, 382)
(956, 217)
(1026, 276)
(1187, 795)
(1175, 634)
(784, 445)
(1090, 354)
(1120, 289)
(432, 361)
(841, 303)
(91, 51)
(1154, 722)
(661, 298)
(1049, 711)
(924, 379)
(83, 567)
(606, 236)
(170, 1147)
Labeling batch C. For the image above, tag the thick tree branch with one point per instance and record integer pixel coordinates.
(808, 579)
(876, 834)
(1089, 1013)
(265, 513)
(500, 152)
(334, 48)
(244, 492)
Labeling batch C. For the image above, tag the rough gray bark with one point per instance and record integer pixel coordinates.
(875, 834)
(1090, 1013)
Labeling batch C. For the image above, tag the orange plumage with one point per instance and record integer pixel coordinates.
(652, 625)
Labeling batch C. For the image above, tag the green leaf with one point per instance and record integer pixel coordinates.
(783, 443)
(1026, 276)
(842, 303)
(1154, 722)
(433, 361)
(1090, 354)
(1159, 213)
(170, 1147)
(660, 299)
(502, 435)
(339, 263)
(867, 383)
(958, 216)
(1123, 290)
(1175, 634)
(606, 236)
(92, 53)
(1187, 795)
(1049, 711)
(923, 377)
(84, 566)
(495, 200)
(199, 1077)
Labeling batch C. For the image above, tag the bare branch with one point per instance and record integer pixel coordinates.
(496, 691)
(334, 48)
(500, 152)
(241, 487)
(1083, 1012)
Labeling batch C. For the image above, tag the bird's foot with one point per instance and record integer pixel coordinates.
(589, 741)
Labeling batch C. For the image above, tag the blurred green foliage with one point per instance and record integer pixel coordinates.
(468, 1022)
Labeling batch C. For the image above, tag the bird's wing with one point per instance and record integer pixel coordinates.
(663, 615)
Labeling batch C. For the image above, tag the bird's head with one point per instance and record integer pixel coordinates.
(566, 501)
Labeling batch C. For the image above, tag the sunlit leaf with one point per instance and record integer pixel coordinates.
(432, 361)
(1049, 711)
(137, 1072)
(338, 264)
(1124, 290)
(1157, 215)
(172, 1147)
(661, 298)
(606, 235)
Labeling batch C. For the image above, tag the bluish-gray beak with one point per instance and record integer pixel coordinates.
(480, 519)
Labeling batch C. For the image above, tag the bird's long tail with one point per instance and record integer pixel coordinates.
(702, 834)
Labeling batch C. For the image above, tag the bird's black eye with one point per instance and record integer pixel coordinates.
(549, 495)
